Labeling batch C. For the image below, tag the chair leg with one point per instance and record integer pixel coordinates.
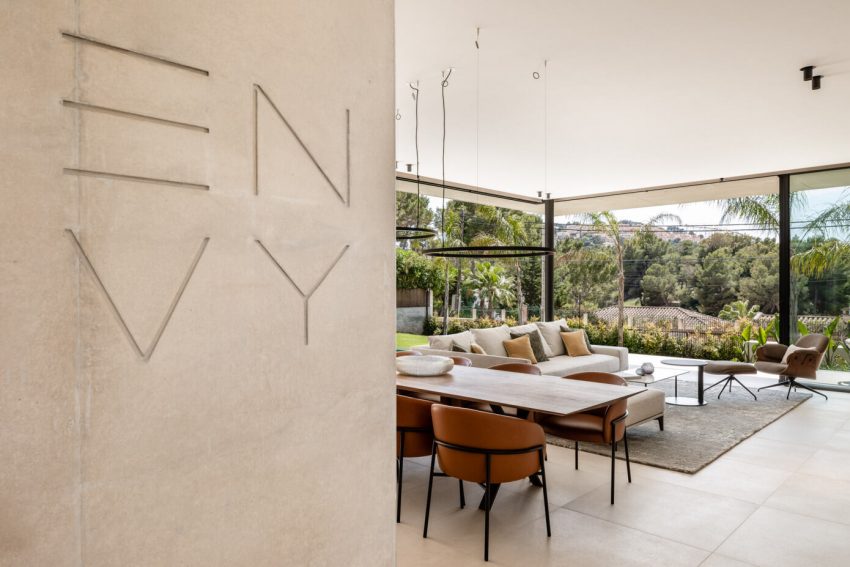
(742, 385)
(626, 446)
(781, 383)
(462, 497)
(576, 455)
(430, 485)
(713, 385)
(400, 472)
(661, 423)
(798, 385)
(545, 494)
(613, 461)
(487, 508)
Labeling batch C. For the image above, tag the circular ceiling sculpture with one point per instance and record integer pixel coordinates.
(490, 252)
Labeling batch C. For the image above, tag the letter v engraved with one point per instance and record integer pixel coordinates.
(305, 296)
(143, 354)
(345, 200)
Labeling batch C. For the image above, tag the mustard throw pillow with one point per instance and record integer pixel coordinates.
(574, 341)
(520, 348)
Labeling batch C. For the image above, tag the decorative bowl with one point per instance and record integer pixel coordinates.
(647, 368)
(639, 371)
(428, 365)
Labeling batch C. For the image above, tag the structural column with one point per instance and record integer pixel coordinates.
(549, 261)
(785, 259)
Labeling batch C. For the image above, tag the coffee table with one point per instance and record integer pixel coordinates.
(683, 400)
(658, 375)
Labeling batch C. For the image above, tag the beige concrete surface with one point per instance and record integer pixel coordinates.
(220, 438)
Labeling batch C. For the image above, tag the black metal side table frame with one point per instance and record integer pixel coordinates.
(678, 400)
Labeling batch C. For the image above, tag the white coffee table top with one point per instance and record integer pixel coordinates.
(658, 375)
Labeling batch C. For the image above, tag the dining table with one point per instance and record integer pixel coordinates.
(529, 394)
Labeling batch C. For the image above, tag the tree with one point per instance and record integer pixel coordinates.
(412, 211)
(717, 280)
(584, 275)
(607, 224)
(492, 288)
(738, 311)
(660, 285)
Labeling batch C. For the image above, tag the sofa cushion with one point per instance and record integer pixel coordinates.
(551, 331)
(566, 365)
(532, 328)
(491, 339)
(536, 342)
(445, 342)
(520, 347)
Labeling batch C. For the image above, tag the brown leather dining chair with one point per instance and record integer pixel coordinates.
(461, 361)
(487, 449)
(407, 353)
(414, 438)
(802, 362)
(604, 425)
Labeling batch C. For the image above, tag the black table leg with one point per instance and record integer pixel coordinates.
(700, 393)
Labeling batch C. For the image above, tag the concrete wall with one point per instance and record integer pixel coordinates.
(162, 402)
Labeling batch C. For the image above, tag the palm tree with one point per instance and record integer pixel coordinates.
(738, 311)
(607, 224)
(763, 212)
(505, 228)
(491, 286)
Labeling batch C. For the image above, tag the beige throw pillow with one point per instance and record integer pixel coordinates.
(574, 342)
(491, 339)
(474, 348)
(520, 348)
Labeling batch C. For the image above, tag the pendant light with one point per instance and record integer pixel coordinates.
(478, 251)
(415, 232)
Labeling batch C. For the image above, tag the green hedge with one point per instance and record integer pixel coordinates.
(657, 340)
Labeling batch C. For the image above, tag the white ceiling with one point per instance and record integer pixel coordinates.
(640, 92)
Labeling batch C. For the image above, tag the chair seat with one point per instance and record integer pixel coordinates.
(578, 427)
(729, 367)
(771, 367)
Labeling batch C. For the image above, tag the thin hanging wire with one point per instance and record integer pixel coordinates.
(477, 102)
(443, 85)
(545, 129)
(415, 93)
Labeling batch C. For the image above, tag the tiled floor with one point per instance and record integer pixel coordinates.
(780, 498)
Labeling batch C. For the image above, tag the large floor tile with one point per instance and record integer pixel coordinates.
(727, 477)
(578, 539)
(824, 498)
(717, 560)
(776, 538)
(766, 452)
(681, 514)
(813, 430)
(828, 464)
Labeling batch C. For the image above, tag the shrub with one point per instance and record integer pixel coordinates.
(434, 325)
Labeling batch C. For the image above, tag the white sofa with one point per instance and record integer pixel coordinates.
(602, 358)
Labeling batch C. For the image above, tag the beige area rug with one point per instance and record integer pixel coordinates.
(695, 436)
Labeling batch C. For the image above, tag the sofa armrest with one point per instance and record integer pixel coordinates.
(478, 360)
(620, 353)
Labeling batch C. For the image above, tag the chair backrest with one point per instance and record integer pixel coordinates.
(520, 367)
(814, 341)
(407, 353)
(413, 413)
(461, 361)
(485, 431)
(608, 413)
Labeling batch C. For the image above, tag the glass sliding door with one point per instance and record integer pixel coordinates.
(820, 266)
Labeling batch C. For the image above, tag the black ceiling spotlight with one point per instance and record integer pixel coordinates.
(808, 75)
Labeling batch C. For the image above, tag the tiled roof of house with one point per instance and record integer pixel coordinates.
(687, 319)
